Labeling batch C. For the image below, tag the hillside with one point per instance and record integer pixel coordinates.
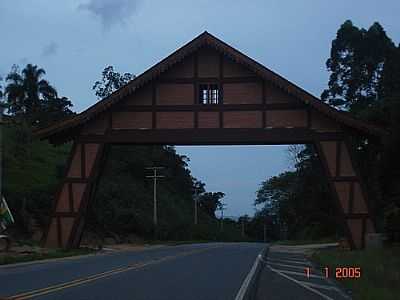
(123, 202)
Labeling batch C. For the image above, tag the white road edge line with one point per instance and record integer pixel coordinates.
(320, 286)
(245, 285)
(304, 263)
(301, 284)
(300, 274)
(288, 266)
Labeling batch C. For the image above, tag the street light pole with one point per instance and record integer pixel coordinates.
(154, 177)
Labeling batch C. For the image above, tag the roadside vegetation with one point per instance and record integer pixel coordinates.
(380, 271)
(11, 258)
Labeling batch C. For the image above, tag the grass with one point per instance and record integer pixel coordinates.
(56, 253)
(304, 242)
(380, 271)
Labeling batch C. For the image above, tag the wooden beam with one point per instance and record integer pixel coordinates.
(213, 136)
(247, 79)
(70, 197)
(210, 107)
(335, 197)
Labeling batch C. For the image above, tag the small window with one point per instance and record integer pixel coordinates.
(209, 94)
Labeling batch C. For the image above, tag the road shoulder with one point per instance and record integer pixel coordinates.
(288, 274)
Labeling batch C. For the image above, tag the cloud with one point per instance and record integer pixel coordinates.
(111, 12)
(50, 49)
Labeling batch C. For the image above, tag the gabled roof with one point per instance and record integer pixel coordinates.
(206, 39)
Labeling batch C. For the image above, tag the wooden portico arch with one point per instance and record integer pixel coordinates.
(207, 93)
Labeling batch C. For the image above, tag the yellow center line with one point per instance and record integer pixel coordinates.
(91, 278)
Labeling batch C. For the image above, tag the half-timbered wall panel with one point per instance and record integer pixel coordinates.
(208, 63)
(208, 119)
(346, 185)
(274, 94)
(52, 234)
(77, 194)
(321, 123)
(343, 191)
(75, 168)
(234, 69)
(132, 120)
(63, 203)
(74, 190)
(175, 94)
(90, 156)
(286, 118)
(97, 126)
(175, 120)
(359, 206)
(242, 119)
(329, 151)
(355, 226)
(242, 93)
(346, 168)
(66, 227)
(183, 69)
(142, 96)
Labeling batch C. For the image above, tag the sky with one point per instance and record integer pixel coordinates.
(74, 40)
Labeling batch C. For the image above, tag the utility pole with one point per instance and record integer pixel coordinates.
(154, 177)
(196, 196)
(221, 208)
(243, 218)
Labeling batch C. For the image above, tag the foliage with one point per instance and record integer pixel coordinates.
(1, 89)
(111, 81)
(32, 99)
(124, 199)
(356, 65)
(52, 254)
(31, 172)
(297, 203)
(210, 202)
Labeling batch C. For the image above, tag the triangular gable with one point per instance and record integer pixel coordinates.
(69, 126)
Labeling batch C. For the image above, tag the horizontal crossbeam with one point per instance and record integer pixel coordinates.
(215, 136)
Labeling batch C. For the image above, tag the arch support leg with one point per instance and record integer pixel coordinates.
(72, 199)
(347, 189)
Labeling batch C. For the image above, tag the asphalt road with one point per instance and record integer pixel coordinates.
(197, 271)
(284, 277)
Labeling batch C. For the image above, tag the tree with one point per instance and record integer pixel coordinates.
(110, 82)
(356, 64)
(1, 89)
(32, 98)
(198, 186)
(210, 202)
(299, 200)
